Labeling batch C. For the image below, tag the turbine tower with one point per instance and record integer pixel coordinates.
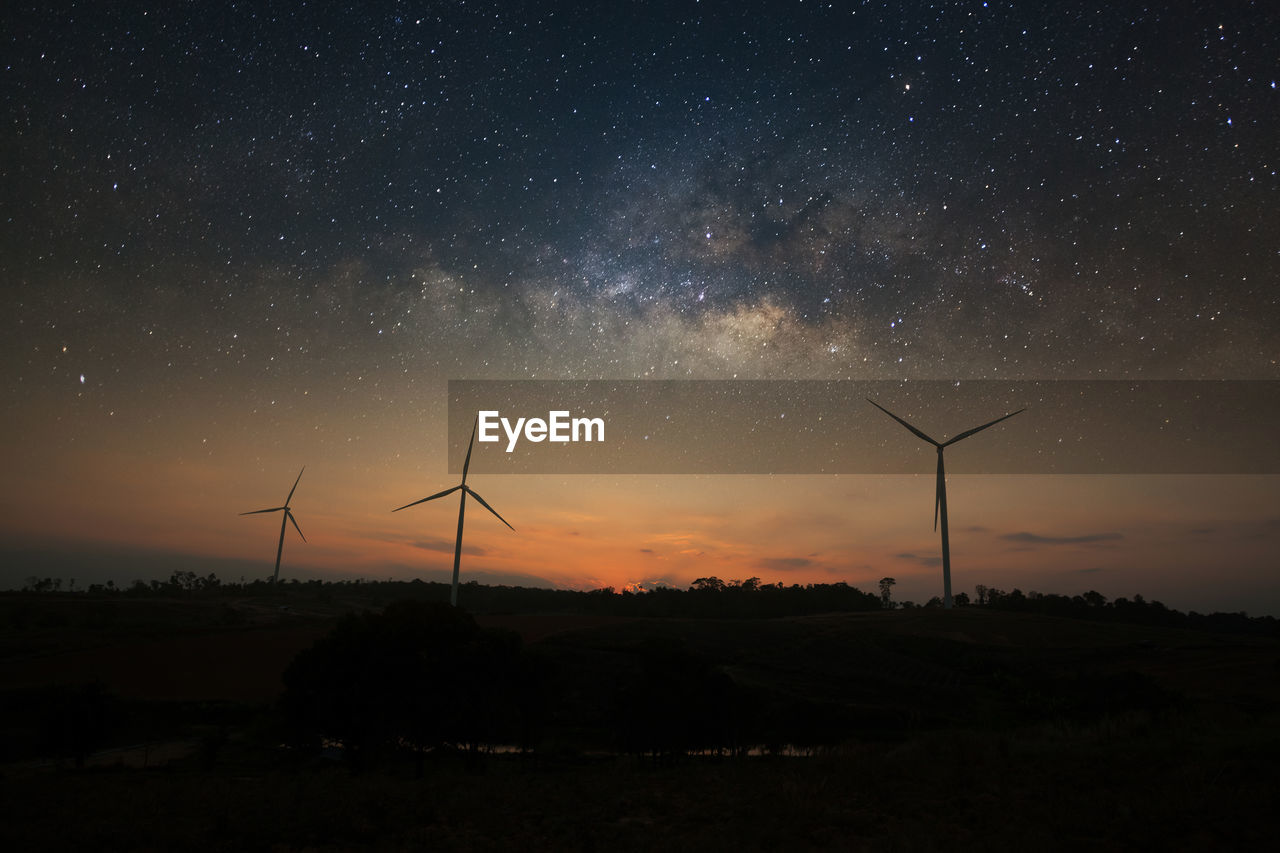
(288, 517)
(462, 507)
(940, 500)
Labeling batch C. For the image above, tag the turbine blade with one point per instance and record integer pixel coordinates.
(295, 524)
(901, 421)
(467, 462)
(970, 432)
(256, 511)
(295, 486)
(433, 497)
(485, 504)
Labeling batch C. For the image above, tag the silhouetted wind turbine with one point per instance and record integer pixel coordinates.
(940, 500)
(288, 517)
(462, 507)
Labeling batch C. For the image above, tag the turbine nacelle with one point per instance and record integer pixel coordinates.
(469, 491)
(940, 492)
(464, 490)
(284, 522)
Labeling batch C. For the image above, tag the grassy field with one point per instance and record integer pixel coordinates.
(968, 729)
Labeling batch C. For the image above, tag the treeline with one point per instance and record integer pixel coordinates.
(714, 598)
(1136, 610)
(178, 582)
(708, 597)
(1095, 606)
(705, 598)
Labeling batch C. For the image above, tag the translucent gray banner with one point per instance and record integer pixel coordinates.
(830, 427)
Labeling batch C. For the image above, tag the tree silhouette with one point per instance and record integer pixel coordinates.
(1095, 598)
(676, 702)
(886, 593)
(418, 676)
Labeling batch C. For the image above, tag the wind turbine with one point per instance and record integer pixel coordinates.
(462, 507)
(940, 501)
(288, 517)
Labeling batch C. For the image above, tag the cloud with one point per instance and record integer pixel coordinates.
(510, 579)
(646, 551)
(785, 564)
(921, 559)
(100, 562)
(446, 546)
(648, 585)
(1037, 539)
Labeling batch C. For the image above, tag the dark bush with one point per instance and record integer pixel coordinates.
(418, 676)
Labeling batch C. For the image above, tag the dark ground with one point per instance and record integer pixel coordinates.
(968, 729)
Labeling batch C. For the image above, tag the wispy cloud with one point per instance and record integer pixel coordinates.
(785, 564)
(512, 579)
(446, 546)
(1037, 539)
(921, 559)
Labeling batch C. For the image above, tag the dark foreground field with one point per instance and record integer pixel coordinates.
(156, 727)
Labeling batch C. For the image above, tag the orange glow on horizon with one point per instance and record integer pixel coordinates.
(586, 532)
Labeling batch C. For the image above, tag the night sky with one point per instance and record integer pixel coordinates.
(242, 238)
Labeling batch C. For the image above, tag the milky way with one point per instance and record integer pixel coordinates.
(295, 215)
(883, 188)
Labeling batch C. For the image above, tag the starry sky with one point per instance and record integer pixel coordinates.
(240, 239)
